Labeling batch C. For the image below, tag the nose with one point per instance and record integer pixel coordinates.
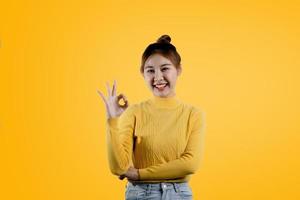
(158, 75)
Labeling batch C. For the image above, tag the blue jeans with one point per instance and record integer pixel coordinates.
(158, 191)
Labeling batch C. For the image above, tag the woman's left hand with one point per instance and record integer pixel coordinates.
(131, 174)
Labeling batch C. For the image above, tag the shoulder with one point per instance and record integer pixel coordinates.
(196, 114)
(131, 109)
(194, 110)
(134, 109)
(197, 117)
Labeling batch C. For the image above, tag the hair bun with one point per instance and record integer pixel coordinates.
(164, 39)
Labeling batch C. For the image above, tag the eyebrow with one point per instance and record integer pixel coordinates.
(149, 66)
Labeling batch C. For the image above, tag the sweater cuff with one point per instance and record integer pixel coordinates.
(143, 174)
(113, 121)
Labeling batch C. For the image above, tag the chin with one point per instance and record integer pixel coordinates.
(161, 94)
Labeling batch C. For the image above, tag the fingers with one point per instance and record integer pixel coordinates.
(122, 177)
(108, 89)
(122, 96)
(125, 100)
(102, 96)
(114, 90)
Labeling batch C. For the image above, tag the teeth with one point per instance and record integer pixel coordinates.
(160, 85)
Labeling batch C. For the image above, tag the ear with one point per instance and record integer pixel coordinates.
(179, 70)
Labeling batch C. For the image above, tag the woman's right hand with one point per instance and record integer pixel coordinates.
(113, 108)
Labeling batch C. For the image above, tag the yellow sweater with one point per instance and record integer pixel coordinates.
(162, 137)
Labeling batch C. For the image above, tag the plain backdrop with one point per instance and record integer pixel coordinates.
(240, 64)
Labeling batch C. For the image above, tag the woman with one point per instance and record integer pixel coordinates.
(156, 144)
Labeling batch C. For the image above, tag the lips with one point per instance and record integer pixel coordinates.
(161, 86)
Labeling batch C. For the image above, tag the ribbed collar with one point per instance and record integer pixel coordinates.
(165, 102)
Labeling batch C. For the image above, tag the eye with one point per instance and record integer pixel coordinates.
(165, 68)
(151, 70)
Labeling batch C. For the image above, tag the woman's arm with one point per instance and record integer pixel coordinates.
(189, 161)
(119, 139)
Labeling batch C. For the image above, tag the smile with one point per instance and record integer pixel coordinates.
(161, 87)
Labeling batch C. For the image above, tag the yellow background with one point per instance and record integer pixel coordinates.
(240, 64)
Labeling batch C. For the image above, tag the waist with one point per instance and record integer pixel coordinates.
(177, 180)
(158, 185)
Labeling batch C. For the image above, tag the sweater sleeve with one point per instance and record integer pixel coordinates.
(119, 139)
(189, 161)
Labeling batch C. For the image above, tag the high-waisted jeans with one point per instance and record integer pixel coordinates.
(158, 191)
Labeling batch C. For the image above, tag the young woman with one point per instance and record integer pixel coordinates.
(156, 144)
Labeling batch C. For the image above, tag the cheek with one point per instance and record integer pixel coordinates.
(170, 77)
(148, 81)
(172, 81)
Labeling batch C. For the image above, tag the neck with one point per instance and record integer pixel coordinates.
(165, 102)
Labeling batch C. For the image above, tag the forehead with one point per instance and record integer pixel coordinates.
(156, 60)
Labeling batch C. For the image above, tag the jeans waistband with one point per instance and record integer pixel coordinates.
(158, 186)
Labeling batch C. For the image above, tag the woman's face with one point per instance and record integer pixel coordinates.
(160, 75)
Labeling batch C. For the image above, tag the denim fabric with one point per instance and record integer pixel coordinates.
(158, 191)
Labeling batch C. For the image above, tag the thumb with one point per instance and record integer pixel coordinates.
(122, 96)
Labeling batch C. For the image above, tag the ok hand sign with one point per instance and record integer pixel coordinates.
(113, 108)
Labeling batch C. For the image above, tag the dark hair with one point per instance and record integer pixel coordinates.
(165, 48)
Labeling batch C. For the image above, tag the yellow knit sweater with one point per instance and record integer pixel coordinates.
(162, 137)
